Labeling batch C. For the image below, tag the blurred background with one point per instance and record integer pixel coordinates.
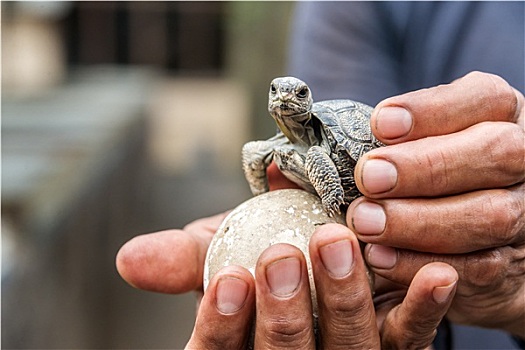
(120, 118)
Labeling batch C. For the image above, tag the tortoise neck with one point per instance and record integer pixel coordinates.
(297, 128)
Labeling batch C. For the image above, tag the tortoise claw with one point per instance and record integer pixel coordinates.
(333, 205)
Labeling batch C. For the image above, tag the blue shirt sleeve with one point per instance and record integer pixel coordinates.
(372, 50)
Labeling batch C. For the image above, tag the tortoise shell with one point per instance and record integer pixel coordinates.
(347, 123)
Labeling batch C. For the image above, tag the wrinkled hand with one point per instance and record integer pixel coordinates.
(431, 193)
(450, 188)
(172, 262)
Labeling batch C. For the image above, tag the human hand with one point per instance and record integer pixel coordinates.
(450, 188)
(172, 262)
(280, 293)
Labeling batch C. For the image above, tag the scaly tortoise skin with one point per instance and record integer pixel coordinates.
(317, 145)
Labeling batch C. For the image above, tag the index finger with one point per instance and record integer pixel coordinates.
(446, 109)
(346, 310)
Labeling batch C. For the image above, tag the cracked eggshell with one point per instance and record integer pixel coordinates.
(284, 216)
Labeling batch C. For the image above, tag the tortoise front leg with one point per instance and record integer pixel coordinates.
(292, 165)
(256, 157)
(323, 175)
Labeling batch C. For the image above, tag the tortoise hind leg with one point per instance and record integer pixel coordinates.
(323, 175)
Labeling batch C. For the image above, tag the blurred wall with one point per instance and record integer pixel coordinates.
(120, 118)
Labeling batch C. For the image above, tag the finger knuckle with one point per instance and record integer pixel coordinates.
(487, 80)
(341, 323)
(348, 303)
(288, 332)
(350, 310)
(505, 148)
(499, 99)
(506, 210)
(504, 101)
(485, 269)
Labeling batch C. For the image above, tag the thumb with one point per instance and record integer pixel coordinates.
(414, 322)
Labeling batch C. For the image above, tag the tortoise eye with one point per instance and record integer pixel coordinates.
(273, 89)
(303, 92)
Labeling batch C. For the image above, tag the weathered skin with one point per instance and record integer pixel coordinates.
(317, 145)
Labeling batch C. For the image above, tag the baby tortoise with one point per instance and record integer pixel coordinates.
(317, 145)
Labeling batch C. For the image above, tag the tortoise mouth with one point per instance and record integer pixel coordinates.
(288, 109)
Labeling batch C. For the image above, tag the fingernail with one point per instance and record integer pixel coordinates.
(369, 219)
(393, 122)
(283, 276)
(379, 176)
(381, 257)
(231, 294)
(441, 294)
(337, 257)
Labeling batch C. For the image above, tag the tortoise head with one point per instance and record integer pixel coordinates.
(289, 103)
